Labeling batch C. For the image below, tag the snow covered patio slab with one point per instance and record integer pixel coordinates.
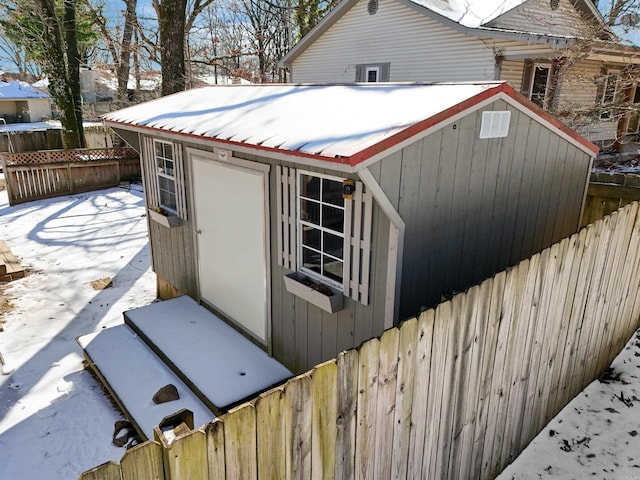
(134, 375)
(218, 363)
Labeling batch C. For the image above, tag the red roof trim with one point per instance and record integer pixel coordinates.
(402, 135)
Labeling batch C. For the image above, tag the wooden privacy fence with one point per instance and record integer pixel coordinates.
(30, 141)
(44, 174)
(608, 192)
(454, 394)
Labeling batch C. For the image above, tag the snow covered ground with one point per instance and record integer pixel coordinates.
(55, 421)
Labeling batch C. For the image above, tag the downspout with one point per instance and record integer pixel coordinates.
(396, 248)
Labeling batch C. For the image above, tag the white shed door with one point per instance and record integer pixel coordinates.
(230, 219)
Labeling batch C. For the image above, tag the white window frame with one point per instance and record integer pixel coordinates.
(159, 174)
(300, 224)
(369, 69)
(534, 68)
(611, 75)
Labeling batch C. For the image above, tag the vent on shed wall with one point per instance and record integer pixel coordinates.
(555, 4)
(372, 7)
(495, 124)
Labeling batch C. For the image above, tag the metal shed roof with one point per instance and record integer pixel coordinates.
(339, 123)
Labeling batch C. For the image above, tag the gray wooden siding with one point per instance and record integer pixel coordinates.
(473, 207)
(302, 334)
(537, 16)
(418, 48)
(172, 249)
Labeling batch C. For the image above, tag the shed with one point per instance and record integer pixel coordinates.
(313, 217)
(21, 102)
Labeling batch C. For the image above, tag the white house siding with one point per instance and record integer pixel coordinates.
(538, 17)
(418, 48)
(39, 109)
(512, 71)
(578, 86)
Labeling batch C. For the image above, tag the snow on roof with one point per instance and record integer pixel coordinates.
(470, 13)
(28, 127)
(17, 89)
(326, 122)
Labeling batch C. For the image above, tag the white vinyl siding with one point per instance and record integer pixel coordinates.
(578, 85)
(416, 47)
(537, 16)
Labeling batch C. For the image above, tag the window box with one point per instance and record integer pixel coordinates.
(169, 221)
(318, 294)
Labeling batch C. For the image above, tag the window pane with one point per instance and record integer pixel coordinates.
(168, 168)
(311, 237)
(332, 192)
(310, 187)
(311, 260)
(158, 149)
(372, 75)
(310, 211)
(333, 269)
(168, 199)
(333, 245)
(539, 87)
(168, 151)
(333, 218)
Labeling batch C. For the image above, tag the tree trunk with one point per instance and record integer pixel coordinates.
(172, 65)
(73, 68)
(125, 52)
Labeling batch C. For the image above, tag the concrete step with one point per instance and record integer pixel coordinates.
(133, 374)
(220, 365)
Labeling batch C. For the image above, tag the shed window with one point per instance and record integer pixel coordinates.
(322, 233)
(321, 227)
(165, 170)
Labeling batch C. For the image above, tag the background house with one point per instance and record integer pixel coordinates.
(311, 221)
(532, 44)
(21, 102)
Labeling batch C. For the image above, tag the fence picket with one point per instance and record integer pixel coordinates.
(407, 344)
(297, 418)
(143, 461)
(386, 401)
(420, 401)
(240, 442)
(215, 450)
(323, 421)
(347, 396)
(186, 457)
(270, 434)
(106, 471)
(366, 412)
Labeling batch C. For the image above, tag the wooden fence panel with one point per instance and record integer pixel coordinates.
(143, 461)
(45, 174)
(106, 471)
(270, 435)
(347, 398)
(215, 450)
(406, 378)
(240, 448)
(456, 393)
(366, 411)
(420, 401)
(297, 418)
(323, 421)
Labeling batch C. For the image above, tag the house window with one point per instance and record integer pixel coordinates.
(372, 72)
(320, 218)
(539, 88)
(609, 93)
(165, 171)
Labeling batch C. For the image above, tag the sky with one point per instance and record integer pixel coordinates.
(55, 420)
